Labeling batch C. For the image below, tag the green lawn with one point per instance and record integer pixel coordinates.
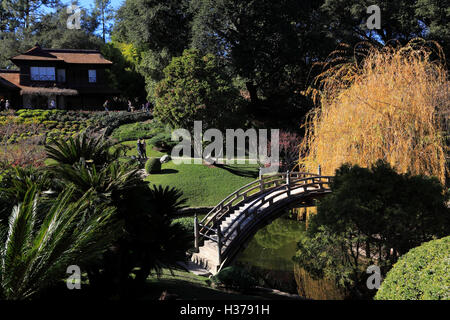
(203, 185)
(188, 286)
(150, 152)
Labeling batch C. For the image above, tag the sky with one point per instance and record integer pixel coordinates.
(89, 3)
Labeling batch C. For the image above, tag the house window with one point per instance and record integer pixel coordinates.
(92, 76)
(61, 75)
(42, 73)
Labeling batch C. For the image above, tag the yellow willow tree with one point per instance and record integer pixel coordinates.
(389, 105)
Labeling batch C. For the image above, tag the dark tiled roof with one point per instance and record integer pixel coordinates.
(73, 56)
(9, 79)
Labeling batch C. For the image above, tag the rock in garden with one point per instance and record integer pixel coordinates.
(165, 158)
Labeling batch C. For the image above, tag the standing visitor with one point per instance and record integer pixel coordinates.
(52, 104)
(144, 147)
(7, 105)
(2, 104)
(139, 149)
(106, 105)
(130, 106)
(147, 107)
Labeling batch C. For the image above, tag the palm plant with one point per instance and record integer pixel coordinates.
(83, 148)
(35, 254)
(16, 182)
(104, 181)
(151, 241)
(169, 241)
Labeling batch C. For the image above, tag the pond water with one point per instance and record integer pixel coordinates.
(268, 257)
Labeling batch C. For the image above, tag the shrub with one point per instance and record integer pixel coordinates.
(153, 166)
(372, 216)
(113, 120)
(163, 141)
(421, 274)
(134, 131)
(187, 223)
(234, 278)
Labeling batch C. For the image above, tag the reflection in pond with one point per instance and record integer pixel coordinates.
(268, 257)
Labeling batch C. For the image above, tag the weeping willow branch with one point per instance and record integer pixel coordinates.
(390, 106)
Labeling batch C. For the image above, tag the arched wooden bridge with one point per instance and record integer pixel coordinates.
(226, 229)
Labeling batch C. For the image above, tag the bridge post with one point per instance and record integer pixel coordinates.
(288, 183)
(319, 170)
(219, 244)
(196, 233)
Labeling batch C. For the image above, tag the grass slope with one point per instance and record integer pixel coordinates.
(203, 185)
(151, 153)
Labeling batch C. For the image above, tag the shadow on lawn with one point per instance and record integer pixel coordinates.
(168, 171)
(186, 290)
(242, 172)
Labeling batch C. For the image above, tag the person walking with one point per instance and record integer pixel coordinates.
(7, 105)
(106, 105)
(2, 104)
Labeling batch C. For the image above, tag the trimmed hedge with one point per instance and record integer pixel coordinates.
(421, 274)
(153, 165)
(187, 223)
(133, 131)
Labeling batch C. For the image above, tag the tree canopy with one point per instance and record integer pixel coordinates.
(195, 88)
(268, 48)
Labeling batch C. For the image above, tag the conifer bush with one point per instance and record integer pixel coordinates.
(153, 165)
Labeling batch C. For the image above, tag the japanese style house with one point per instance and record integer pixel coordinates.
(66, 78)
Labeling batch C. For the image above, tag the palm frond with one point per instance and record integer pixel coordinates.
(36, 256)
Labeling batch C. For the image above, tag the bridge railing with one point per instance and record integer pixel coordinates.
(234, 229)
(209, 227)
(251, 190)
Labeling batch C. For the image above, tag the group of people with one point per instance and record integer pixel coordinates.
(144, 107)
(141, 146)
(131, 108)
(4, 104)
